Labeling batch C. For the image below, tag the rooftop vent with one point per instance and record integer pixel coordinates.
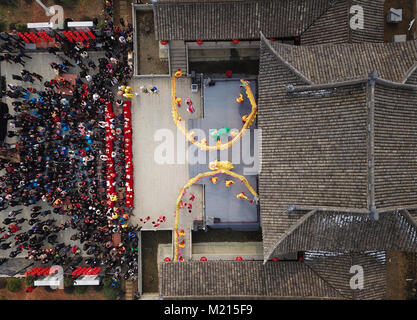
(399, 38)
(395, 15)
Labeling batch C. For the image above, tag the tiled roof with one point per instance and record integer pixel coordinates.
(412, 77)
(274, 76)
(334, 268)
(222, 20)
(340, 62)
(333, 231)
(335, 146)
(334, 25)
(395, 151)
(374, 22)
(331, 27)
(313, 149)
(318, 21)
(241, 279)
(319, 277)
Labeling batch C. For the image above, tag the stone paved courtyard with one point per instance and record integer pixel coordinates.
(39, 64)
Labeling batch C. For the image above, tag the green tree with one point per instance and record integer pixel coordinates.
(14, 285)
(98, 288)
(3, 283)
(10, 3)
(81, 289)
(21, 27)
(30, 280)
(3, 25)
(110, 293)
(107, 282)
(68, 285)
(101, 24)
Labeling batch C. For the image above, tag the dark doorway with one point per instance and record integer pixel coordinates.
(150, 242)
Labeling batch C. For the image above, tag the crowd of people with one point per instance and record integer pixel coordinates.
(60, 142)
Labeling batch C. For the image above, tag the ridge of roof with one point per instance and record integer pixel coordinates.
(285, 62)
(327, 282)
(378, 80)
(331, 5)
(288, 232)
(330, 85)
(386, 223)
(398, 85)
(410, 72)
(322, 63)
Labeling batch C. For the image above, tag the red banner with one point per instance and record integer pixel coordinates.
(128, 153)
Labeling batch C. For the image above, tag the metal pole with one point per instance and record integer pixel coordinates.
(47, 10)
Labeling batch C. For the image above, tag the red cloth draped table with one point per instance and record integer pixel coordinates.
(128, 153)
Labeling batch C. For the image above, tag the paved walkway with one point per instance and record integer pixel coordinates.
(157, 185)
(218, 251)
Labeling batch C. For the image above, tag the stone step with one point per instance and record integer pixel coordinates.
(178, 61)
(149, 296)
(174, 58)
(177, 66)
(178, 55)
(129, 290)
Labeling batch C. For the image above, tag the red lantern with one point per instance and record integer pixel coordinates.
(235, 41)
(301, 259)
(275, 259)
(229, 73)
(203, 259)
(164, 42)
(167, 259)
(271, 39)
(199, 42)
(239, 258)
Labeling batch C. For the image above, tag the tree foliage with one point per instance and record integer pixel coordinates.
(14, 285)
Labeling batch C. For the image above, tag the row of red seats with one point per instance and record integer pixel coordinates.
(86, 271)
(81, 36)
(38, 271)
(128, 153)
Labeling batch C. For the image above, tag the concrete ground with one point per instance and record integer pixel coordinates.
(219, 251)
(157, 184)
(39, 64)
(221, 109)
